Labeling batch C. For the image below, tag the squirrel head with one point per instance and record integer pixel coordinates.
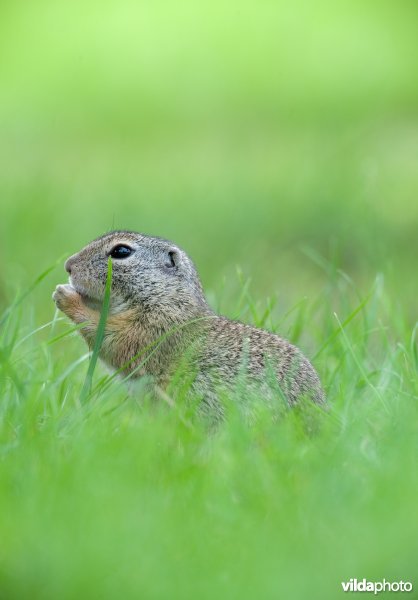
(150, 274)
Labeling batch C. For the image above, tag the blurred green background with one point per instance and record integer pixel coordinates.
(244, 131)
(277, 137)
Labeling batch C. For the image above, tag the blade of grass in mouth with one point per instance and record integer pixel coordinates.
(86, 389)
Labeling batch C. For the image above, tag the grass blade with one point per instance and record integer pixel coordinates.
(86, 389)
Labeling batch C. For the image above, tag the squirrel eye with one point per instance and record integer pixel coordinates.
(120, 251)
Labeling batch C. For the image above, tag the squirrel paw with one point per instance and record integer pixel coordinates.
(66, 297)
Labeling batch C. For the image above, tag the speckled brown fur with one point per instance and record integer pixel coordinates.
(159, 314)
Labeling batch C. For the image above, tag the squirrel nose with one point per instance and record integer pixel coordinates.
(69, 264)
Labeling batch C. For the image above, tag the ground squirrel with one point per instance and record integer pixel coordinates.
(158, 315)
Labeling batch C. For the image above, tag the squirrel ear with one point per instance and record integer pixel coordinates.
(173, 258)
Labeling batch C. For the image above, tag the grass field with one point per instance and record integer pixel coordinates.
(277, 143)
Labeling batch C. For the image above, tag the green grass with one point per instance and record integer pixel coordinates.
(278, 137)
(101, 327)
(123, 498)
